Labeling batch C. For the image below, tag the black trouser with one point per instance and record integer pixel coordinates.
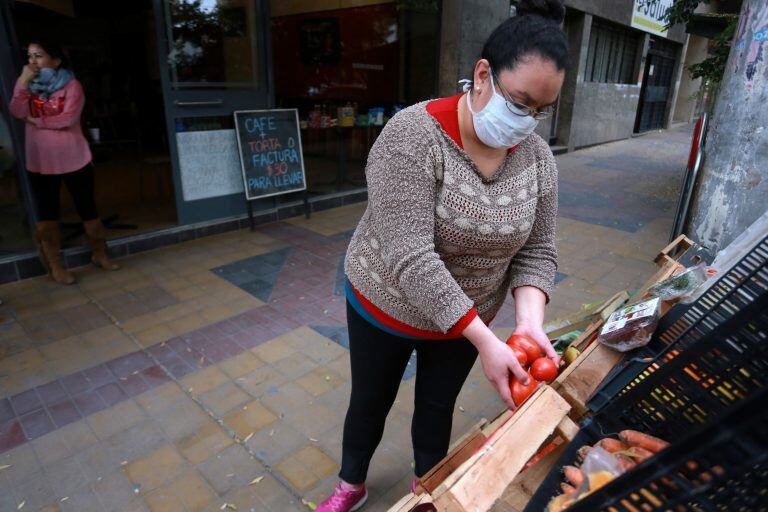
(46, 189)
(378, 362)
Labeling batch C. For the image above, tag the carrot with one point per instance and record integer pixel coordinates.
(637, 453)
(583, 452)
(635, 438)
(626, 462)
(567, 488)
(573, 475)
(611, 445)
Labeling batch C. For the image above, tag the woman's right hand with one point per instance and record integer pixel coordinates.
(28, 73)
(499, 361)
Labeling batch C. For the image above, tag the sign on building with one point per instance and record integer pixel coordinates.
(650, 16)
(270, 152)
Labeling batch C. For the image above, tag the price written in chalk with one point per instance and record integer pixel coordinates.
(270, 152)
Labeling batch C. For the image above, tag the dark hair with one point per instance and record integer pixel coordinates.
(534, 31)
(53, 49)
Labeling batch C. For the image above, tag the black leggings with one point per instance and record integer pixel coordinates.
(378, 362)
(46, 189)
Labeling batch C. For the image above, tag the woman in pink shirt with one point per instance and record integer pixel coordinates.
(49, 98)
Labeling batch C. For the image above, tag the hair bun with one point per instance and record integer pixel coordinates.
(550, 9)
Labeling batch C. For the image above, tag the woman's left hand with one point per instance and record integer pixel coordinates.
(31, 120)
(537, 334)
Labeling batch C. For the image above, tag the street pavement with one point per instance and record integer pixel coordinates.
(216, 372)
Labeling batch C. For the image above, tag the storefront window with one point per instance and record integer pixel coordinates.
(212, 43)
(348, 71)
(14, 230)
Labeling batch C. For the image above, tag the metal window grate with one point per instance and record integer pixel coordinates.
(612, 53)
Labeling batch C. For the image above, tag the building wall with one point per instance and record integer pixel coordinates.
(466, 24)
(685, 109)
(618, 11)
(603, 112)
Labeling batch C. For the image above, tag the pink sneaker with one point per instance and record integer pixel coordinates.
(344, 500)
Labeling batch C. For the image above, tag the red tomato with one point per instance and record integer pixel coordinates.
(530, 347)
(522, 357)
(521, 392)
(544, 369)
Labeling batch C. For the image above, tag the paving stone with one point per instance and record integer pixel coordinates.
(261, 381)
(295, 365)
(320, 381)
(158, 468)
(84, 500)
(205, 380)
(230, 469)
(287, 397)
(274, 350)
(240, 365)
(194, 491)
(115, 419)
(35, 491)
(224, 398)
(298, 475)
(317, 461)
(203, 443)
(276, 442)
(114, 491)
(249, 419)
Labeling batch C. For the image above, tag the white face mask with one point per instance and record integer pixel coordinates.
(495, 125)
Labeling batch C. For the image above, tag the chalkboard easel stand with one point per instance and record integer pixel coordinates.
(252, 220)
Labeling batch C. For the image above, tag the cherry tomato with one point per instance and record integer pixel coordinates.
(544, 369)
(522, 357)
(530, 347)
(521, 392)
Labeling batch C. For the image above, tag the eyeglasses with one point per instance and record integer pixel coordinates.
(520, 109)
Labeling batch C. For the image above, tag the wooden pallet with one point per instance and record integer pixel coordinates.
(508, 442)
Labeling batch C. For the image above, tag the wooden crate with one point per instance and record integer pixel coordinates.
(509, 442)
(485, 464)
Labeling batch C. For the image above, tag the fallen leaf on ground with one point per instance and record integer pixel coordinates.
(313, 439)
(248, 437)
(5, 466)
(309, 504)
(21, 505)
(257, 480)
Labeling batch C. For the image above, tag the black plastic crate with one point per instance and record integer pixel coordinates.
(710, 403)
(685, 324)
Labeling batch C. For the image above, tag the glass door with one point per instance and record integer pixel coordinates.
(214, 60)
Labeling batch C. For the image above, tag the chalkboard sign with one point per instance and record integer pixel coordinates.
(269, 143)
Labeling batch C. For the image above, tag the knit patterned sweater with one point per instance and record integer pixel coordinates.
(438, 238)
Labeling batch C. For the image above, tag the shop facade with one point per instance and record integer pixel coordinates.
(162, 79)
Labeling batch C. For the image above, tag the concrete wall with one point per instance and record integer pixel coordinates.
(685, 109)
(604, 112)
(466, 24)
(732, 190)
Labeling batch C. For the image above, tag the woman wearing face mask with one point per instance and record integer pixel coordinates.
(49, 98)
(462, 207)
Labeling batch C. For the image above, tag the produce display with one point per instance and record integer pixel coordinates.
(602, 462)
(540, 368)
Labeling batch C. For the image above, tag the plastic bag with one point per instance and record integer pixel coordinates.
(599, 468)
(632, 326)
(680, 285)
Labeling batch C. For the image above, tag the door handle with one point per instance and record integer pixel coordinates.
(210, 103)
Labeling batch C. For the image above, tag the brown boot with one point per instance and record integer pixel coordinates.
(49, 238)
(97, 235)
